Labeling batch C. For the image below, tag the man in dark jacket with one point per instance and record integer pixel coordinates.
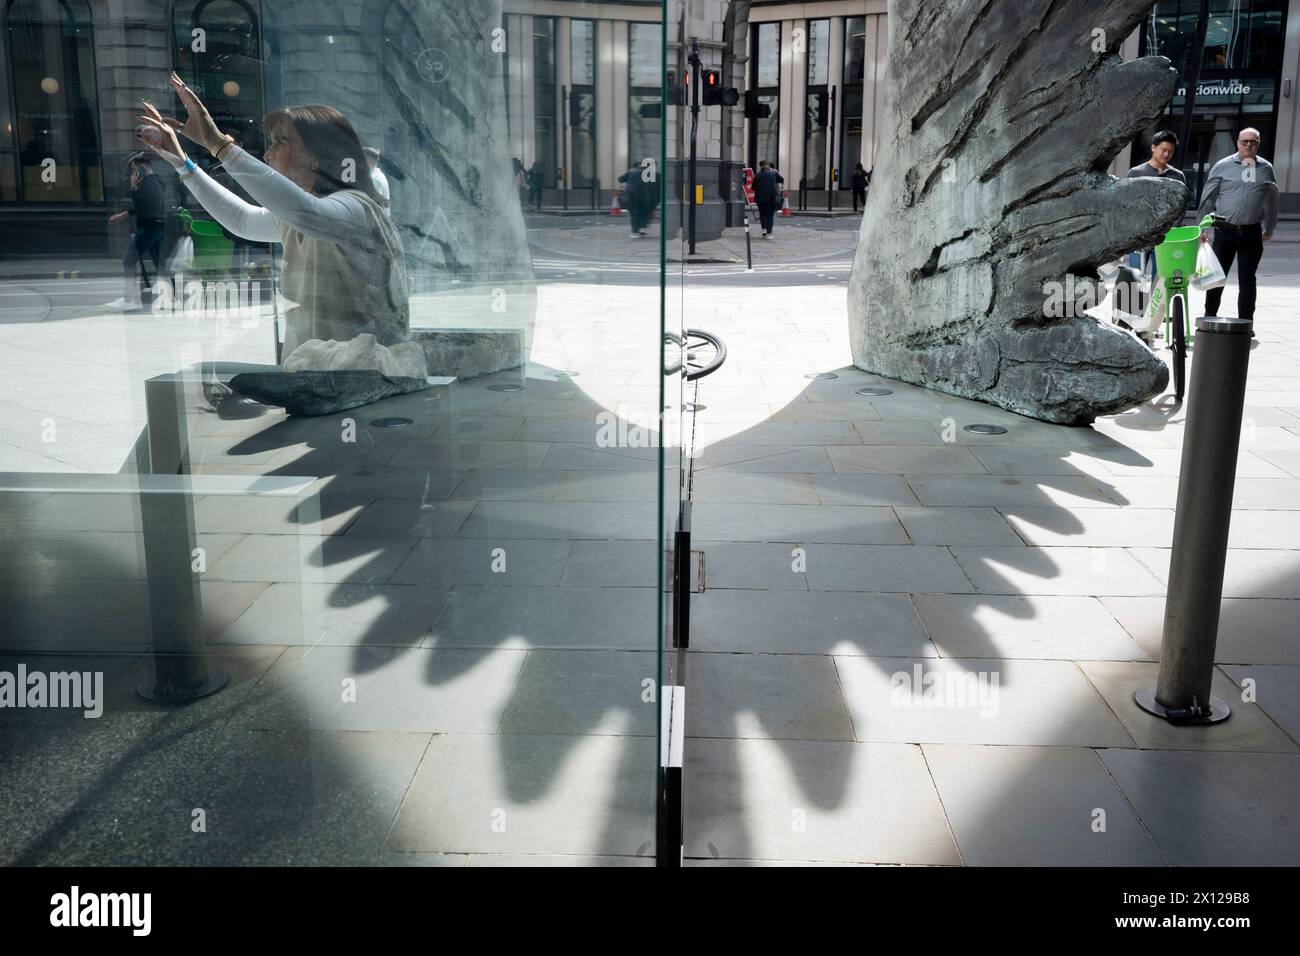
(640, 197)
(768, 196)
(148, 208)
(859, 183)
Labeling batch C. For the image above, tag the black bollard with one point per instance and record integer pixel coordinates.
(749, 248)
(1205, 485)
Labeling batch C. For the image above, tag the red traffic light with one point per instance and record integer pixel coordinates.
(711, 79)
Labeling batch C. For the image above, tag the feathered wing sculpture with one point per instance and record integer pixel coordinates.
(990, 190)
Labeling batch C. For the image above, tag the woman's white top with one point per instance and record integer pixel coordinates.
(343, 269)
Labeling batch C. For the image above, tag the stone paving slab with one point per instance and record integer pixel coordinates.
(1045, 809)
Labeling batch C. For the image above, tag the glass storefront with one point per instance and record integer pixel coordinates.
(1239, 79)
(343, 463)
(54, 129)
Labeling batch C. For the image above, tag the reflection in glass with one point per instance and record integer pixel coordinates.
(52, 63)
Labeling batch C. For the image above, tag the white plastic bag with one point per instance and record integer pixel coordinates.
(1209, 274)
(182, 257)
(1157, 306)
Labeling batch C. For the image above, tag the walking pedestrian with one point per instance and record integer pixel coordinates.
(148, 207)
(1242, 190)
(767, 195)
(536, 182)
(521, 181)
(858, 182)
(1163, 146)
(633, 200)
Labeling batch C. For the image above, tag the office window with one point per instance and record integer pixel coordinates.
(218, 46)
(582, 102)
(852, 102)
(818, 105)
(55, 126)
(544, 118)
(765, 81)
(644, 88)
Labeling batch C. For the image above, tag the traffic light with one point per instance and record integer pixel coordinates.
(676, 93)
(754, 109)
(710, 88)
(823, 109)
(714, 94)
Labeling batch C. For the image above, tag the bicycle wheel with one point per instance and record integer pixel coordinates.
(1179, 347)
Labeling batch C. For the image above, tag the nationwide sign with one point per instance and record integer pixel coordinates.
(1218, 88)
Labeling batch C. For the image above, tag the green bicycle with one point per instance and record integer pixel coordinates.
(1175, 269)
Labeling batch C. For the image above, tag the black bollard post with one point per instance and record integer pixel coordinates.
(1206, 479)
(749, 248)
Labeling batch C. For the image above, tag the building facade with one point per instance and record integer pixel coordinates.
(580, 82)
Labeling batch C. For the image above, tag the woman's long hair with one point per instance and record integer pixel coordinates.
(331, 141)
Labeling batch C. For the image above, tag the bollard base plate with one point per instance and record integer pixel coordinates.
(154, 694)
(1146, 699)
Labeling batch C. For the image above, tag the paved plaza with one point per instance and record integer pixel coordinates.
(848, 546)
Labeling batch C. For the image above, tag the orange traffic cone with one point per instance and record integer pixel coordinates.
(785, 208)
(614, 208)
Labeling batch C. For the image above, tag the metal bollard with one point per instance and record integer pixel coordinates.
(749, 249)
(1205, 485)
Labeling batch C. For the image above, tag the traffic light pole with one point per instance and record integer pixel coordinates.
(695, 123)
(564, 145)
(830, 166)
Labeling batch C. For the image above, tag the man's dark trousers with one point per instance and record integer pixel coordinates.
(767, 214)
(147, 240)
(1246, 245)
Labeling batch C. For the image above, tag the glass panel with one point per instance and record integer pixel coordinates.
(356, 446)
(851, 106)
(765, 133)
(855, 46)
(769, 54)
(816, 134)
(544, 100)
(819, 51)
(8, 155)
(53, 75)
(768, 131)
(645, 59)
(582, 107)
(217, 44)
(1239, 37)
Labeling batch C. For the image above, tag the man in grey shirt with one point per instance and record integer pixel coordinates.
(1163, 145)
(1241, 189)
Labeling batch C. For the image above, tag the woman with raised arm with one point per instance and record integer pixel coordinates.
(343, 264)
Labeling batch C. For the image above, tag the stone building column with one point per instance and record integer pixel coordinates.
(563, 83)
(794, 98)
(611, 101)
(1285, 153)
(835, 80)
(521, 103)
(875, 57)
